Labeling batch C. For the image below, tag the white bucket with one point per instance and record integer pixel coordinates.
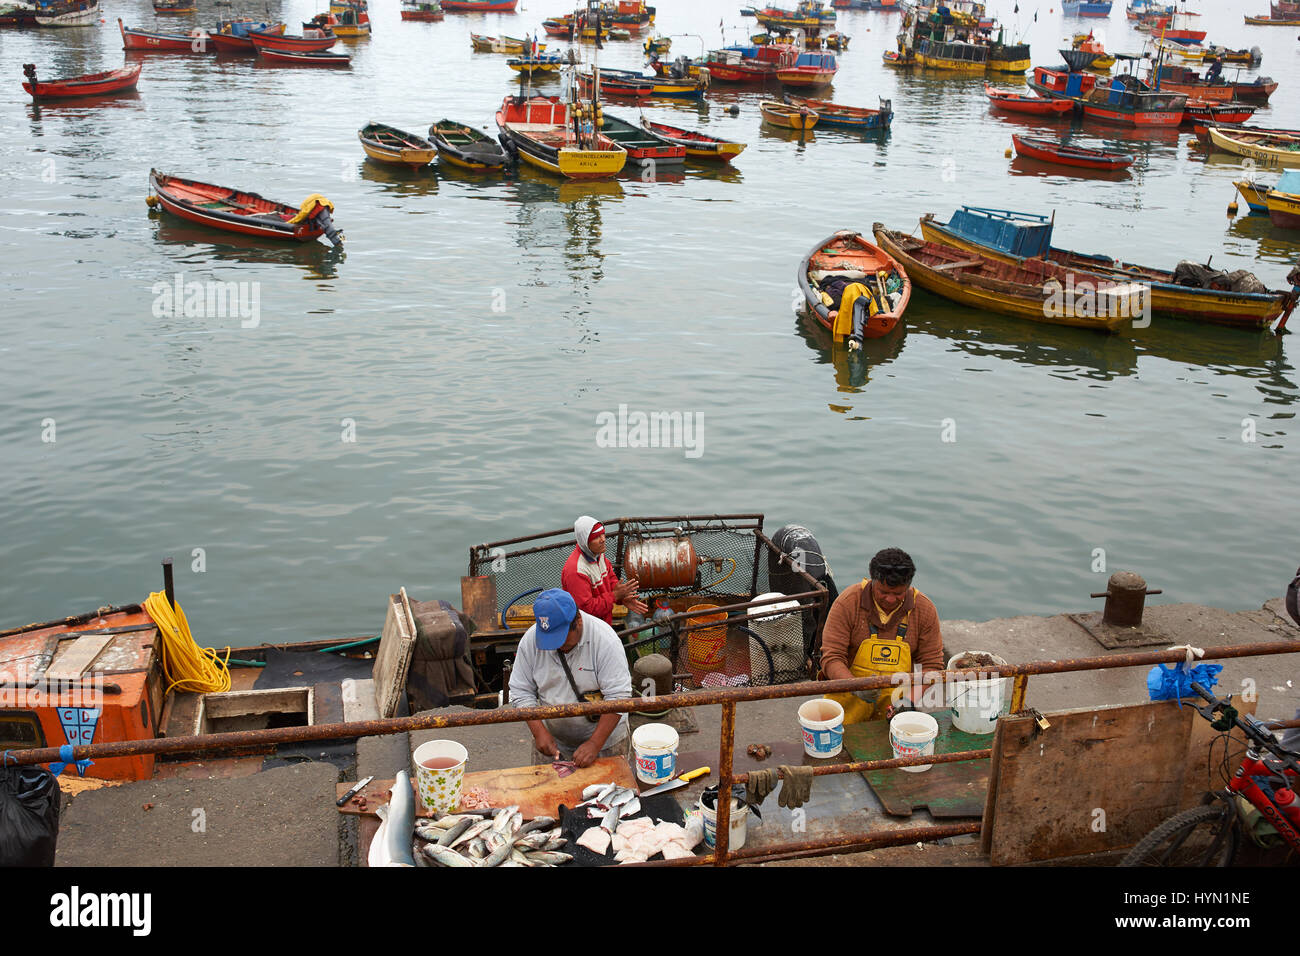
(977, 704)
(822, 721)
(912, 734)
(739, 824)
(655, 746)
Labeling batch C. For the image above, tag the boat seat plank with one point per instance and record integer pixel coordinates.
(960, 264)
(75, 656)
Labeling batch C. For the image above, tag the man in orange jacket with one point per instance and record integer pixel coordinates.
(590, 579)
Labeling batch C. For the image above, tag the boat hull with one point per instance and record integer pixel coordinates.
(699, 148)
(1264, 155)
(784, 117)
(849, 251)
(538, 130)
(408, 150)
(318, 58)
(1283, 209)
(1051, 152)
(216, 206)
(143, 42)
(1208, 306)
(464, 147)
(292, 44)
(93, 84)
(1254, 194)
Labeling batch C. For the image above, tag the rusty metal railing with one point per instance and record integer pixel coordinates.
(728, 698)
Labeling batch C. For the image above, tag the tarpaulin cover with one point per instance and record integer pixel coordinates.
(1173, 683)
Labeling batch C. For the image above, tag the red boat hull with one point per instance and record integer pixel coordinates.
(488, 6)
(140, 40)
(293, 44)
(303, 58)
(1065, 156)
(418, 15)
(196, 202)
(92, 84)
(1031, 105)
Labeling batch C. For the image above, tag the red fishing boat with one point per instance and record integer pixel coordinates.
(749, 64)
(302, 57)
(1203, 111)
(846, 271)
(809, 69)
(698, 146)
(248, 213)
(92, 84)
(233, 35)
(141, 40)
(1124, 101)
(312, 41)
(1181, 79)
(1014, 102)
(1176, 28)
(486, 6)
(1053, 151)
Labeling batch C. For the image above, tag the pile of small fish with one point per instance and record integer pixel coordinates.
(490, 837)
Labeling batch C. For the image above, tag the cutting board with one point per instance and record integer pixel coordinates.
(538, 791)
(946, 789)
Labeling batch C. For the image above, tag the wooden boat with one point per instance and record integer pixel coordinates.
(1079, 60)
(850, 256)
(485, 6)
(1283, 201)
(1270, 22)
(680, 68)
(1181, 79)
(570, 28)
(1014, 102)
(78, 13)
(1176, 27)
(233, 36)
(141, 40)
(1017, 237)
(541, 131)
(1008, 58)
(809, 69)
(1125, 101)
(748, 64)
(788, 117)
(545, 63)
(466, 147)
(644, 147)
(952, 56)
(387, 144)
(302, 57)
(848, 117)
(626, 84)
(346, 18)
(1202, 130)
(92, 84)
(657, 45)
(1265, 149)
(247, 213)
(1254, 193)
(1062, 154)
(174, 8)
(18, 15)
(1088, 43)
(699, 147)
(502, 44)
(428, 10)
(1034, 289)
(315, 42)
(808, 15)
(1203, 111)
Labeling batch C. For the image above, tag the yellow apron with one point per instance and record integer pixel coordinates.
(876, 656)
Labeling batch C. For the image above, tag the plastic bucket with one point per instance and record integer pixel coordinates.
(439, 786)
(977, 703)
(706, 645)
(655, 748)
(912, 734)
(739, 824)
(822, 721)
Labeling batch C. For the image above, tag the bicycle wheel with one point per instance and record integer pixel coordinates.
(1201, 836)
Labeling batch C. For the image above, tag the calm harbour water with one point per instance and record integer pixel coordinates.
(475, 328)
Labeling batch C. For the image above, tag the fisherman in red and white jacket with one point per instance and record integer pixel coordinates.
(590, 579)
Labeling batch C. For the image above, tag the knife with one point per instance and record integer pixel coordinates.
(681, 781)
(354, 791)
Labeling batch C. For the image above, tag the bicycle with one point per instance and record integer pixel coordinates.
(1210, 835)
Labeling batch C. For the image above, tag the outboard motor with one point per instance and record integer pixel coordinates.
(805, 553)
(326, 222)
(511, 150)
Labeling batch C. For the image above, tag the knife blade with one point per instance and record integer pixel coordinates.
(681, 781)
(354, 791)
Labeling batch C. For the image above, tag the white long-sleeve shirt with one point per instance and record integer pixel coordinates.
(598, 662)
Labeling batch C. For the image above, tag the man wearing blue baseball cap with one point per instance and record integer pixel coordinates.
(567, 657)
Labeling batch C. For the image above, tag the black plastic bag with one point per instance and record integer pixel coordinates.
(29, 816)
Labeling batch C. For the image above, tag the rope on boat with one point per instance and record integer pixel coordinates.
(183, 661)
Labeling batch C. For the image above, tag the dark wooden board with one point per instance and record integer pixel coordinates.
(946, 789)
(1097, 779)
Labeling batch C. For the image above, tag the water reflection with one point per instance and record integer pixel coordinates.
(565, 214)
(400, 180)
(1023, 166)
(1266, 241)
(799, 136)
(316, 259)
(852, 369)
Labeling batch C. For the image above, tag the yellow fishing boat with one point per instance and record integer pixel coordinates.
(1254, 194)
(387, 144)
(788, 117)
(1034, 289)
(351, 18)
(543, 132)
(1267, 150)
(956, 56)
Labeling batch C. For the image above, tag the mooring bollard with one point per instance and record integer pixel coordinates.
(1126, 594)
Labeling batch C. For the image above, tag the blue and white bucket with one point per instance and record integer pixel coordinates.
(654, 747)
(822, 721)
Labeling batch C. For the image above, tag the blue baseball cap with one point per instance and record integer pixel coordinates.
(554, 611)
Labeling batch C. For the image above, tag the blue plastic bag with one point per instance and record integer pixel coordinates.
(1174, 683)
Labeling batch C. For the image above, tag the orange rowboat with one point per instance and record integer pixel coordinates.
(853, 287)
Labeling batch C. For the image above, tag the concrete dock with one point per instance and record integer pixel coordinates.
(250, 812)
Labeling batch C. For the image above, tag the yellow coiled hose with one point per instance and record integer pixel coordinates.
(184, 663)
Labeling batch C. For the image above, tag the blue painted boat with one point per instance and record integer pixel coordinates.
(1084, 8)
